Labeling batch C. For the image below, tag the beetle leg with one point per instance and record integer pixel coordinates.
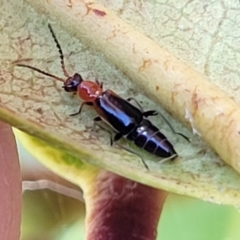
(167, 122)
(80, 109)
(117, 137)
(103, 128)
(136, 101)
(133, 152)
(97, 119)
(150, 113)
(100, 84)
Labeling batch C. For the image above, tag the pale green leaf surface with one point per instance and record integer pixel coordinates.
(192, 31)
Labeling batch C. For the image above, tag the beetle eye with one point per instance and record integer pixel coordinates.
(74, 84)
(71, 87)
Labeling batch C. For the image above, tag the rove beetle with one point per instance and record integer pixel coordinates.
(127, 120)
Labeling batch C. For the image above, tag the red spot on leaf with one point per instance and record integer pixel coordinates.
(99, 12)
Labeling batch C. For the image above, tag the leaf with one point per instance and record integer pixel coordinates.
(41, 108)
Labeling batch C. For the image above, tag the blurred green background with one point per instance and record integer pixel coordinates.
(48, 215)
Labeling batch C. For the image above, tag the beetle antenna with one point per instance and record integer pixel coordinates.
(59, 50)
(42, 72)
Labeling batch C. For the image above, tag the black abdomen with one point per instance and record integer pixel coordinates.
(148, 137)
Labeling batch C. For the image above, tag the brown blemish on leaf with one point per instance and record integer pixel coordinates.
(22, 43)
(114, 34)
(22, 60)
(88, 8)
(146, 63)
(195, 101)
(69, 3)
(175, 91)
(202, 152)
(39, 110)
(157, 87)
